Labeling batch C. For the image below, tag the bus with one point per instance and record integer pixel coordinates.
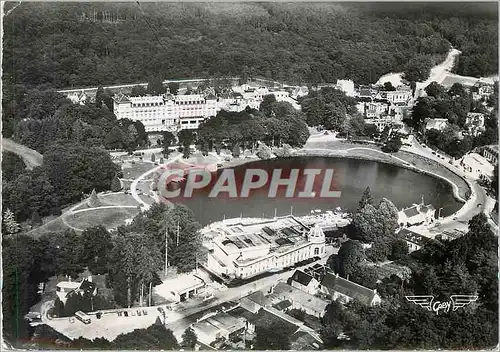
(82, 317)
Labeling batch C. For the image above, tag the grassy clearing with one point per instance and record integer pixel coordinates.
(56, 225)
(132, 171)
(110, 218)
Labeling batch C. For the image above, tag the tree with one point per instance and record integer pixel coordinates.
(365, 199)
(354, 126)
(99, 97)
(380, 249)
(365, 276)
(388, 86)
(167, 141)
(116, 185)
(372, 222)
(351, 254)
(435, 90)
(64, 250)
(157, 336)
(263, 152)
(116, 138)
(399, 250)
(186, 138)
(155, 86)
(393, 145)
(266, 106)
(276, 336)
(138, 91)
(97, 244)
(135, 258)
(94, 201)
(9, 222)
(418, 69)
(284, 152)
(189, 339)
(36, 220)
(173, 87)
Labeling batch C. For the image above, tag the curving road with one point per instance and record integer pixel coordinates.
(478, 202)
(31, 157)
(133, 186)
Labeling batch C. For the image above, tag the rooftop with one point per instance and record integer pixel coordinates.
(413, 237)
(277, 235)
(283, 291)
(335, 283)
(301, 277)
(180, 283)
(302, 340)
(411, 212)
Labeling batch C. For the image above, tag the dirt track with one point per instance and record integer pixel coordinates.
(31, 157)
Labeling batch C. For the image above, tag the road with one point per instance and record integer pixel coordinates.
(31, 157)
(193, 313)
(133, 186)
(438, 73)
(478, 202)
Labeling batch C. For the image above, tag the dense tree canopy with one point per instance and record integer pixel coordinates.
(65, 46)
(68, 171)
(467, 265)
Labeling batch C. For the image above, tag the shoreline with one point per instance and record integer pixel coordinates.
(342, 155)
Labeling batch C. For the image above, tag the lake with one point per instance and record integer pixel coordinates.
(351, 176)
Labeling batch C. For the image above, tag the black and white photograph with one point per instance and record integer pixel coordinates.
(242, 175)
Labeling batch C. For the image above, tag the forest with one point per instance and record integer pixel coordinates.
(130, 257)
(68, 45)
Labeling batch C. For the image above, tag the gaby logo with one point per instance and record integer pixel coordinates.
(306, 183)
(456, 301)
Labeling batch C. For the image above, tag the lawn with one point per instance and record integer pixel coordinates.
(56, 225)
(110, 218)
(132, 171)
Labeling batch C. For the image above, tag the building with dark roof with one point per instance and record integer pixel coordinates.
(415, 241)
(417, 214)
(304, 282)
(299, 299)
(344, 290)
(303, 341)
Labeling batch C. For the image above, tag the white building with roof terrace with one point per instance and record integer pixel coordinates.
(244, 250)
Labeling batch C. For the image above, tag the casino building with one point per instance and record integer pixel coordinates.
(242, 250)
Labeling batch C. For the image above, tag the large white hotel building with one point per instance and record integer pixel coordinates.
(166, 112)
(242, 250)
(170, 112)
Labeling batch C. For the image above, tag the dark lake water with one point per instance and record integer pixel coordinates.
(351, 176)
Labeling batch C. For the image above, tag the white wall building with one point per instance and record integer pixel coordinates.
(436, 124)
(402, 95)
(166, 112)
(347, 86)
(475, 123)
(477, 166)
(242, 251)
(180, 288)
(417, 214)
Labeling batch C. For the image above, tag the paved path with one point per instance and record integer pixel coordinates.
(133, 186)
(478, 202)
(438, 73)
(31, 157)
